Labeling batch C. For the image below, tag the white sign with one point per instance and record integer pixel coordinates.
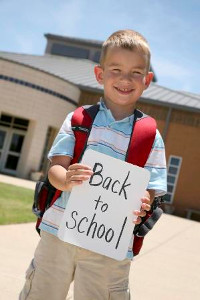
(99, 213)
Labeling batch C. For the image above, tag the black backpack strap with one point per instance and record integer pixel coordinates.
(92, 110)
(145, 227)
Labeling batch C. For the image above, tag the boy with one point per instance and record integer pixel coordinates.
(124, 73)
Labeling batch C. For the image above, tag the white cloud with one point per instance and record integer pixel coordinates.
(170, 69)
(175, 76)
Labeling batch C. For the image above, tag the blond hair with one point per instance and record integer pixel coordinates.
(126, 39)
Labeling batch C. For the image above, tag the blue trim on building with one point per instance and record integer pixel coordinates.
(37, 87)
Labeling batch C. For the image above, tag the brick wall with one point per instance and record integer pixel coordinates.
(183, 139)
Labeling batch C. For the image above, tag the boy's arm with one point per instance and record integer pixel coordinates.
(64, 176)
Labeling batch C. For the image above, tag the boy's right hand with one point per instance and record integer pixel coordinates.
(76, 174)
(64, 176)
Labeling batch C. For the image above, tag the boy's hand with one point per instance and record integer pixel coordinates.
(142, 212)
(76, 174)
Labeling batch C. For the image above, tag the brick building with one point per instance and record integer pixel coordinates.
(36, 93)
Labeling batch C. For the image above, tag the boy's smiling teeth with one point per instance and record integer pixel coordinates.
(124, 90)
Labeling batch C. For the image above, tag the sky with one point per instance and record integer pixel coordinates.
(172, 28)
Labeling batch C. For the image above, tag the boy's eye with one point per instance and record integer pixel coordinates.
(138, 74)
(116, 70)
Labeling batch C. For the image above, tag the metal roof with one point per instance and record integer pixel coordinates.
(80, 72)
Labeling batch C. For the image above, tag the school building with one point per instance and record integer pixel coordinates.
(36, 93)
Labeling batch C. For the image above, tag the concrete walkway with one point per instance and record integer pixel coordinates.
(17, 181)
(168, 267)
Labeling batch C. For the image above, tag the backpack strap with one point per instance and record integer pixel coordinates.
(81, 123)
(142, 138)
(140, 145)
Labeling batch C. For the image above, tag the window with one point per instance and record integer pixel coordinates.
(14, 122)
(174, 165)
(70, 51)
(96, 57)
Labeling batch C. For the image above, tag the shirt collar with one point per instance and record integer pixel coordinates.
(102, 107)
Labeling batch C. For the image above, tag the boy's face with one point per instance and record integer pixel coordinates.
(124, 76)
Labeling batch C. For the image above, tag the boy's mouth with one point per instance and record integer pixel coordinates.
(124, 91)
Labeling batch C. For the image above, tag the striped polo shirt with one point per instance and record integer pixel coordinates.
(110, 137)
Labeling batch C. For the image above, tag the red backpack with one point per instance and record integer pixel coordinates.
(141, 141)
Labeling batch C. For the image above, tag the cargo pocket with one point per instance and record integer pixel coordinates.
(119, 294)
(28, 283)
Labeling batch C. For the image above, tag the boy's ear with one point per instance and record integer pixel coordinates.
(148, 79)
(98, 71)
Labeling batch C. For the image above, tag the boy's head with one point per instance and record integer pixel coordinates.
(126, 39)
(124, 70)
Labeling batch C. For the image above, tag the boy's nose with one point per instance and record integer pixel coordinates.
(125, 77)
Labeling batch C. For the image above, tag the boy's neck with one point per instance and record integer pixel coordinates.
(120, 113)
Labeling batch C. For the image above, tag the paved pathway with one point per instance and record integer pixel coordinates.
(17, 181)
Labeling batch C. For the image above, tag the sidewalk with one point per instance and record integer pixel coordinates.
(168, 267)
(17, 181)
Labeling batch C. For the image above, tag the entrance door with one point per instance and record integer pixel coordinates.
(11, 141)
(3, 141)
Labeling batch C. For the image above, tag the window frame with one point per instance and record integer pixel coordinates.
(175, 176)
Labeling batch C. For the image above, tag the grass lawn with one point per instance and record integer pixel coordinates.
(15, 204)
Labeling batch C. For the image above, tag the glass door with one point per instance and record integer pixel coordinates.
(3, 141)
(11, 150)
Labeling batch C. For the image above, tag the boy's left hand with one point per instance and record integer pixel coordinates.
(142, 212)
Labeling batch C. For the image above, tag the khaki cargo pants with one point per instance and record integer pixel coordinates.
(56, 264)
